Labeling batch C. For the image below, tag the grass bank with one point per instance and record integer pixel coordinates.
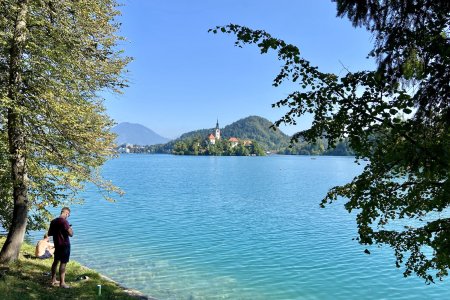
(29, 278)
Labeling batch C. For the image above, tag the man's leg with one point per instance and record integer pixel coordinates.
(54, 266)
(62, 275)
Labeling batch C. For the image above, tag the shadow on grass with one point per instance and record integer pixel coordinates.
(29, 278)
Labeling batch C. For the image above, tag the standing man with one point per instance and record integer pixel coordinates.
(61, 231)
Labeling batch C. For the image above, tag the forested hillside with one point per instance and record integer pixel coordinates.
(257, 129)
(253, 128)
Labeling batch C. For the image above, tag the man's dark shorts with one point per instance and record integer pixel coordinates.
(62, 253)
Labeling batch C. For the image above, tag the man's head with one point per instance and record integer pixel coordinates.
(65, 212)
(45, 236)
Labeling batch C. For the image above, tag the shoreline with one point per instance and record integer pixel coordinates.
(32, 274)
(129, 291)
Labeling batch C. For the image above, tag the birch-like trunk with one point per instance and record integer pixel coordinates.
(17, 141)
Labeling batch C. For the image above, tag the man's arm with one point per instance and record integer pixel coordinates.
(68, 228)
(50, 230)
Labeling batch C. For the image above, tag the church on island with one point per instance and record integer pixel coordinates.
(216, 136)
(217, 143)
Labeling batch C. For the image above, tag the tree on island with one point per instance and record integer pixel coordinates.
(199, 146)
(402, 196)
(54, 134)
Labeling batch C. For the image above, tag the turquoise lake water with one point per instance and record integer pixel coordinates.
(234, 228)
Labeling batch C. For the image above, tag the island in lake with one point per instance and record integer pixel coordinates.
(250, 136)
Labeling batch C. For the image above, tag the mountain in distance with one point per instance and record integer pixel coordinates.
(137, 134)
(258, 129)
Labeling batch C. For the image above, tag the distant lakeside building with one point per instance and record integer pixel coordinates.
(217, 135)
(125, 148)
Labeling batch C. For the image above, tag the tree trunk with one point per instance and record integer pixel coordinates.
(17, 141)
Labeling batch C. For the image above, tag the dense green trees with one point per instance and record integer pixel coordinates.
(319, 147)
(199, 146)
(254, 128)
(189, 147)
(54, 58)
(402, 196)
(257, 129)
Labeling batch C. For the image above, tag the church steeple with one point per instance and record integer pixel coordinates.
(217, 131)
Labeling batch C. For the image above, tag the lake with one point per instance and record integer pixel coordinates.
(234, 228)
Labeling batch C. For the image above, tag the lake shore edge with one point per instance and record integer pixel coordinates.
(31, 276)
(129, 291)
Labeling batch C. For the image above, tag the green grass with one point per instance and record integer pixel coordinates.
(29, 278)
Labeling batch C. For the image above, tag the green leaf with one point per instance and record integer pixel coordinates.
(407, 111)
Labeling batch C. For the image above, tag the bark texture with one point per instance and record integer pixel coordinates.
(17, 140)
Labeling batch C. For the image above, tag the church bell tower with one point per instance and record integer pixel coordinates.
(217, 135)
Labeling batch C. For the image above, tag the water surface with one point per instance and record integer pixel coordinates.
(234, 228)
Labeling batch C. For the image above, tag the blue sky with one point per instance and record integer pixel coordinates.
(183, 78)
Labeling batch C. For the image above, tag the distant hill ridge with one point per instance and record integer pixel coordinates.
(137, 134)
(258, 129)
(252, 128)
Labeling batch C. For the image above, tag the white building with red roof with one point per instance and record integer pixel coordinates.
(234, 141)
(212, 139)
(217, 135)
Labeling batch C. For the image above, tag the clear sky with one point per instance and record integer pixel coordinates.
(184, 78)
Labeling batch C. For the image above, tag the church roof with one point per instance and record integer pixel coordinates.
(211, 137)
(233, 139)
